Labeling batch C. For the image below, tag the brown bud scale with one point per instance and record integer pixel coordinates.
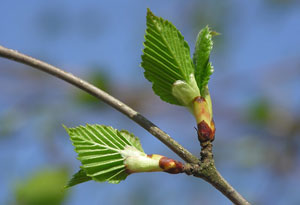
(170, 165)
(206, 132)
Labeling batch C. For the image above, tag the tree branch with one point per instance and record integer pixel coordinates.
(203, 169)
(98, 93)
(207, 171)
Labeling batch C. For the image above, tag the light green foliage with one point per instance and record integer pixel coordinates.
(100, 149)
(166, 57)
(186, 92)
(44, 187)
(203, 68)
(168, 64)
(132, 139)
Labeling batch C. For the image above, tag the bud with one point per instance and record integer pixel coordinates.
(136, 161)
(203, 114)
(170, 165)
(185, 92)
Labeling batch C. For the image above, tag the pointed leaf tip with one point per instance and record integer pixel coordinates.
(65, 127)
(214, 33)
(148, 11)
(78, 177)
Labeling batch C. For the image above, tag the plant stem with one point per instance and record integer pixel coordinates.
(204, 169)
(98, 93)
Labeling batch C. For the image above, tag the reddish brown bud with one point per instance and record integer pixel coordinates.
(203, 114)
(206, 132)
(170, 165)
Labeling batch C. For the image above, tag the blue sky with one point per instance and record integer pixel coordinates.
(257, 56)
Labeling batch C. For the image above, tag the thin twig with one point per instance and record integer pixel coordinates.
(207, 171)
(204, 169)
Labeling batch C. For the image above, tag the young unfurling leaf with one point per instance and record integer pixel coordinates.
(110, 155)
(176, 79)
(203, 68)
(166, 59)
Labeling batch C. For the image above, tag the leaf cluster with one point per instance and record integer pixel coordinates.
(167, 61)
(104, 151)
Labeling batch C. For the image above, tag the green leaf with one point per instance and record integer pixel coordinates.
(166, 57)
(99, 78)
(133, 139)
(78, 177)
(43, 187)
(185, 92)
(101, 151)
(203, 68)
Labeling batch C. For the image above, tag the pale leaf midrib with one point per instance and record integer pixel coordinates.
(115, 175)
(106, 171)
(101, 163)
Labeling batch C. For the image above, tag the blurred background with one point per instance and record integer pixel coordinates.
(255, 91)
